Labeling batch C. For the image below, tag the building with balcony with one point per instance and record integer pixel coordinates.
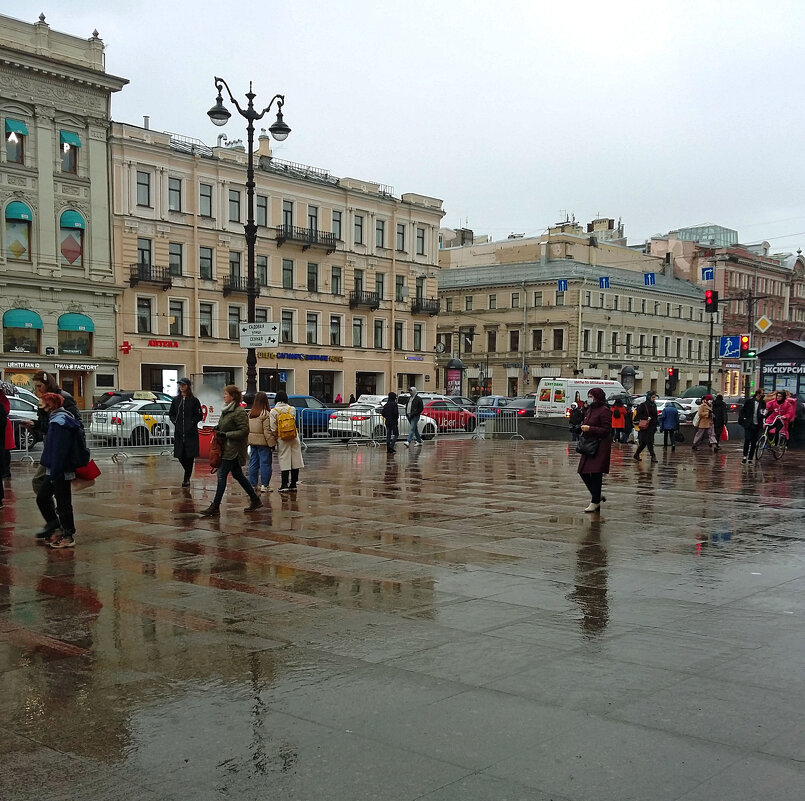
(346, 269)
(57, 285)
(565, 304)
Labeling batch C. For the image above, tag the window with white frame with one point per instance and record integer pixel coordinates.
(515, 300)
(287, 213)
(205, 257)
(335, 329)
(358, 232)
(175, 258)
(261, 270)
(336, 225)
(287, 273)
(234, 322)
(313, 218)
(286, 326)
(312, 328)
(312, 277)
(175, 194)
(380, 233)
(261, 210)
(205, 200)
(143, 188)
(378, 333)
(418, 340)
(205, 320)
(493, 302)
(234, 205)
(420, 241)
(401, 236)
(144, 315)
(335, 281)
(357, 332)
(176, 312)
(399, 331)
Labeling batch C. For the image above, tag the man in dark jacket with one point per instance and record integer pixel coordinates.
(391, 414)
(185, 414)
(719, 418)
(645, 436)
(576, 418)
(751, 418)
(413, 412)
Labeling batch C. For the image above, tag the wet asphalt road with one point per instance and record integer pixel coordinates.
(443, 624)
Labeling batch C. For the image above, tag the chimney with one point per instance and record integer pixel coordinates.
(263, 144)
(146, 123)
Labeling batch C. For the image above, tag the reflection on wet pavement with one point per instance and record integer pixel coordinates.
(441, 624)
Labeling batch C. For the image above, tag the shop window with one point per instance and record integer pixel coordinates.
(75, 335)
(71, 239)
(22, 331)
(19, 218)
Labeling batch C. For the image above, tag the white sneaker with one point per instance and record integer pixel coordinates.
(407, 444)
(265, 488)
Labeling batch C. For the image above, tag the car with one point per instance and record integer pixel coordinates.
(22, 410)
(450, 416)
(313, 416)
(365, 421)
(134, 422)
(489, 405)
(683, 412)
(520, 407)
(466, 403)
(115, 396)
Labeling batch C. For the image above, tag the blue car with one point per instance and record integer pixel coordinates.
(487, 406)
(312, 416)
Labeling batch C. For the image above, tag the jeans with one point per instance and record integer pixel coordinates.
(392, 435)
(414, 434)
(260, 461)
(231, 466)
(594, 482)
(62, 516)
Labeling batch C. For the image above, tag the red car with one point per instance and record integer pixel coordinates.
(450, 416)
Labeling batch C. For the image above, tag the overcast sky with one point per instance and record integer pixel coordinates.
(666, 114)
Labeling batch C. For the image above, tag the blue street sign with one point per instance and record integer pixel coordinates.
(283, 376)
(603, 282)
(729, 347)
(708, 273)
(648, 279)
(561, 285)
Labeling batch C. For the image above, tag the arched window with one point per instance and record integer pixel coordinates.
(22, 331)
(75, 335)
(71, 239)
(18, 231)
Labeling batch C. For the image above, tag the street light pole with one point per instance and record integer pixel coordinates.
(220, 115)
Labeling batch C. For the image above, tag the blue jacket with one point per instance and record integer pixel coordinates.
(669, 418)
(59, 451)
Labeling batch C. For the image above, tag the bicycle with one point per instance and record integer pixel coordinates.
(773, 442)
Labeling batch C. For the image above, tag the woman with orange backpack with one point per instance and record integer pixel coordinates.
(282, 424)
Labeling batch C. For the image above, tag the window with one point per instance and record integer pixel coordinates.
(143, 188)
(491, 341)
(378, 328)
(558, 339)
(261, 270)
(538, 298)
(234, 322)
(679, 346)
(380, 285)
(599, 342)
(628, 348)
(176, 310)
(666, 351)
(616, 302)
(418, 336)
(667, 309)
(286, 327)
(335, 329)
(398, 336)
(654, 344)
(16, 132)
(313, 218)
(601, 300)
(205, 263)
(585, 339)
(515, 300)
(71, 239)
(336, 227)
(399, 285)
(358, 280)
(287, 213)
(357, 332)
(143, 315)
(614, 342)
(699, 350)
(588, 298)
(420, 287)
(261, 315)
(312, 328)
(493, 302)
(205, 319)
(560, 298)
(287, 273)
(312, 277)
(205, 200)
(690, 349)
(514, 339)
(629, 304)
(643, 306)
(144, 252)
(175, 258)
(448, 304)
(536, 339)
(175, 194)
(261, 210)
(234, 265)
(69, 153)
(234, 205)
(420, 241)
(468, 303)
(400, 236)
(74, 339)
(380, 233)
(358, 229)
(641, 348)
(335, 281)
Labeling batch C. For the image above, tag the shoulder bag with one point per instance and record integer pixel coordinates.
(587, 446)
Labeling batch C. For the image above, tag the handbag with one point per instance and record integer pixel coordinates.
(642, 424)
(89, 472)
(679, 436)
(587, 446)
(216, 453)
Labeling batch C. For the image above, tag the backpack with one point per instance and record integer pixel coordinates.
(79, 452)
(616, 413)
(286, 425)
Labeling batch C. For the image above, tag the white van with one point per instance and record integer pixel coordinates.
(554, 395)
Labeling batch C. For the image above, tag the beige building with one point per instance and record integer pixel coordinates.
(57, 285)
(346, 269)
(567, 304)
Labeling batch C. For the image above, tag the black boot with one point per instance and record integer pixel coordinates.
(211, 511)
(284, 485)
(294, 478)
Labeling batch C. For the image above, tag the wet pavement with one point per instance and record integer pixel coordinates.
(443, 624)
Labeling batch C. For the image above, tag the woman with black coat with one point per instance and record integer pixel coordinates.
(391, 414)
(647, 410)
(719, 418)
(185, 414)
(597, 425)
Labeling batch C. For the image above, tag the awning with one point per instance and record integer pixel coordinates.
(22, 318)
(76, 322)
(19, 211)
(71, 219)
(16, 126)
(69, 138)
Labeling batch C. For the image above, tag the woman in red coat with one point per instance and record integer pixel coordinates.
(597, 425)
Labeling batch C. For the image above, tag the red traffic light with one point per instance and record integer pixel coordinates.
(710, 301)
(744, 344)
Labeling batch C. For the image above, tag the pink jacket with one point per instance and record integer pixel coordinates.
(786, 411)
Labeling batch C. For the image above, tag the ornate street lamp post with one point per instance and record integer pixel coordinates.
(219, 114)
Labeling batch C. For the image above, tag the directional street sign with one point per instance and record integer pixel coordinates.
(729, 347)
(708, 273)
(259, 335)
(763, 324)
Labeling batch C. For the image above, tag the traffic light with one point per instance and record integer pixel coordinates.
(710, 301)
(744, 346)
(671, 381)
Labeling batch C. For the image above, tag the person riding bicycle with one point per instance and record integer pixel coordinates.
(780, 413)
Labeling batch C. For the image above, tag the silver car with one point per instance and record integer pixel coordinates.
(140, 422)
(365, 421)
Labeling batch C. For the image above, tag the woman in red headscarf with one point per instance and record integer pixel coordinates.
(597, 426)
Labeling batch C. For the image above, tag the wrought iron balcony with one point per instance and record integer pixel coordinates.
(150, 274)
(234, 283)
(307, 237)
(429, 306)
(370, 299)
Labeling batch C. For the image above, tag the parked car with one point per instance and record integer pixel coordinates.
(489, 405)
(115, 396)
(520, 407)
(684, 414)
(313, 417)
(364, 420)
(135, 422)
(450, 416)
(464, 402)
(22, 410)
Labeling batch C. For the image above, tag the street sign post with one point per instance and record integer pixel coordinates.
(259, 335)
(729, 347)
(763, 324)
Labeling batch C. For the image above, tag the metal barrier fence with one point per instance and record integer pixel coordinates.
(503, 425)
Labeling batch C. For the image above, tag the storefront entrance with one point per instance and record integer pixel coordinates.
(367, 384)
(322, 385)
(271, 380)
(75, 383)
(160, 378)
